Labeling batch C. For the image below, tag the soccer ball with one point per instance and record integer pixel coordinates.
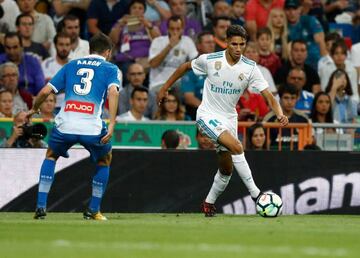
(269, 205)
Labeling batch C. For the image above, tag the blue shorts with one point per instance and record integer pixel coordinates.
(59, 143)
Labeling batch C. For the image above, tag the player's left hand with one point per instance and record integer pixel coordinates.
(283, 120)
(162, 94)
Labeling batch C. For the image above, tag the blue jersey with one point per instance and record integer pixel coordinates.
(85, 82)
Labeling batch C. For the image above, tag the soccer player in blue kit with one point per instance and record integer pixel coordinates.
(86, 82)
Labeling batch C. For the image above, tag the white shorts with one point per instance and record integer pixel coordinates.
(213, 126)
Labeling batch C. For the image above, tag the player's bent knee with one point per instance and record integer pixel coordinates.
(226, 171)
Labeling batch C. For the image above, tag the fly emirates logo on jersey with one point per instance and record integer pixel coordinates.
(78, 106)
(227, 88)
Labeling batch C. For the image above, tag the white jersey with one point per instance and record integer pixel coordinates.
(224, 83)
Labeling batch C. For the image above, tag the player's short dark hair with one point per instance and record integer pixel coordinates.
(175, 18)
(12, 34)
(236, 31)
(200, 35)
(20, 16)
(139, 89)
(216, 19)
(138, 2)
(288, 88)
(61, 35)
(99, 43)
(170, 139)
(264, 30)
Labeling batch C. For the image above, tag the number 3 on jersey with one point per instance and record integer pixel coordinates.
(87, 75)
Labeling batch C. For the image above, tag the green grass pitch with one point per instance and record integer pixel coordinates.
(67, 235)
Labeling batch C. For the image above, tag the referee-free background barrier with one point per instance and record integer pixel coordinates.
(178, 181)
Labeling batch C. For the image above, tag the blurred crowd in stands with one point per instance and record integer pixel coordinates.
(308, 51)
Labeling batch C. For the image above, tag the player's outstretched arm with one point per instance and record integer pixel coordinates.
(179, 72)
(275, 106)
(40, 98)
(113, 105)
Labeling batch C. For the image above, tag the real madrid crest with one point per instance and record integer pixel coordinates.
(218, 65)
(176, 52)
(241, 77)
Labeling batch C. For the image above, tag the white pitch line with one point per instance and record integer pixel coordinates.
(205, 247)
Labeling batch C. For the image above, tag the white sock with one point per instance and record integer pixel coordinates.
(244, 172)
(219, 185)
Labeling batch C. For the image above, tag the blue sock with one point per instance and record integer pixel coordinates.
(46, 179)
(98, 187)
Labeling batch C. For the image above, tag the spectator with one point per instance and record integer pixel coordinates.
(288, 97)
(9, 79)
(191, 84)
(222, 8)
(52, 65)
(76, 8)
(277, 24)
(25, 29)
(191, 27)
(220, 25)
(321, 111)
(338, 53)
(171, 109)
(251, 107)
(138, 101)
(102, 15)
(256, 138)
(11, 11)
(157, 11)
(44, 29)
(136, 78)
(330, 39)
(18, 139)
(257, 13)
(298, 54)
(169, 52)
(47, 109)
(267, 56)
(297, 77)
(170, 139)
(79, 47)
(306, 28)
(133, 34)
(252, 52)
(31, 76)
(355, 58)
(333, 8)
(340, 91)
(204, 142)
(6, 104)
(315, 8)
(200, 10)
(238, 11)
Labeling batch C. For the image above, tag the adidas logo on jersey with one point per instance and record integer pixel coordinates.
(216, 74)
(81, 107)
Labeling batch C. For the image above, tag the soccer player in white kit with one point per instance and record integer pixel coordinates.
(228, 74)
